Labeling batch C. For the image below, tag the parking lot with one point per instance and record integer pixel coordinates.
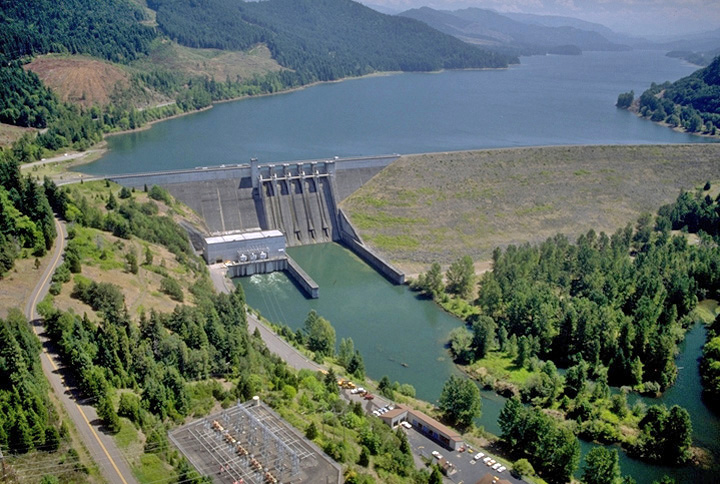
(467, 470)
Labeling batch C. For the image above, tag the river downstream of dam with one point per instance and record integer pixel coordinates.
(404, 337)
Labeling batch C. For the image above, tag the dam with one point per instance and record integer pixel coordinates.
(253, 211)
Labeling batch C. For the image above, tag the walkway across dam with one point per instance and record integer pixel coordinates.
(300, 199)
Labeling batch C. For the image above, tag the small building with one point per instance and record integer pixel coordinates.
(425, 424)
(435, 430)
(244, 246)
(395, 416)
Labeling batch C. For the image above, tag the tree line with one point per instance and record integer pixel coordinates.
(692, 102)
(27, 226)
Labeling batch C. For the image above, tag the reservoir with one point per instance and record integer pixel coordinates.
(546, 100)
(404, 338)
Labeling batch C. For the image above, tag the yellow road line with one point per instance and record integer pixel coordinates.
(55, 368)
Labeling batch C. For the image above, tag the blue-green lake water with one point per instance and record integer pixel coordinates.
(548, 100)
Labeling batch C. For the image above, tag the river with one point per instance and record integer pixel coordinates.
(546, 100)
(404, 337)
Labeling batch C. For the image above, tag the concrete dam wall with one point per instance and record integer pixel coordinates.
(300, 199)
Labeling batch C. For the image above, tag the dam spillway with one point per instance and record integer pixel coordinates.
(299, 201)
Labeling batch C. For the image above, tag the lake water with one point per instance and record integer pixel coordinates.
(548, 100)
(404, 338)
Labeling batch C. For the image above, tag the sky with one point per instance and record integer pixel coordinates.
(639, 17)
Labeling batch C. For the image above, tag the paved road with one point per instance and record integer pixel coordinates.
(63, 157)
(112, 464)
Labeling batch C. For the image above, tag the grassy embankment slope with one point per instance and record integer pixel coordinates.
(439, 207)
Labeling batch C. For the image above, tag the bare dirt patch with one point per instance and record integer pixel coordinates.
(438, 207)
(80, 79)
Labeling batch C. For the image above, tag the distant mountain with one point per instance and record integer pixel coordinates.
(382, 8)
(489, 28)
(319, 40)
(561, 21)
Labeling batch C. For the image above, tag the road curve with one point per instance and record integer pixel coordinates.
(103, 450)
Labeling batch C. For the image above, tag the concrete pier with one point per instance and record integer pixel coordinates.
(302, 279)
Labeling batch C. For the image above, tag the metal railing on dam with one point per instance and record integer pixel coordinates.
(240, 170)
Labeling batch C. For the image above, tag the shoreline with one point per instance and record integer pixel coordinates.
(150, 124)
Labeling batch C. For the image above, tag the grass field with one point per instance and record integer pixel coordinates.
(208, 62)
(438, 207)
(498, 366)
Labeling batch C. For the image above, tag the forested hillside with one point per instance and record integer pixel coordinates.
(103, 28)
(692, 102)
(319, 39)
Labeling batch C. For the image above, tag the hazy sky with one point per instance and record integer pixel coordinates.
(643, 17)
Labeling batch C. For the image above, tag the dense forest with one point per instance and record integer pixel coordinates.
(692, 102)
(27, 419)
(109, 29)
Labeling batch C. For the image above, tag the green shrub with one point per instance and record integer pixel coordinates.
(172, 288)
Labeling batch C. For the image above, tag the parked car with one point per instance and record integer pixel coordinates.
(486, 459)
(406, 424)
(478, 456)
(501, 469)
(495, 466)
(369, 396)
(490, 462)
(437, 454)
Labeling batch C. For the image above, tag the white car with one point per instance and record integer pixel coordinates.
(496, 466)
(479, 456)
(486, 459)
(406, 424)
(436, 454)
(490, 462)
(376, 413)
(501, 469)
